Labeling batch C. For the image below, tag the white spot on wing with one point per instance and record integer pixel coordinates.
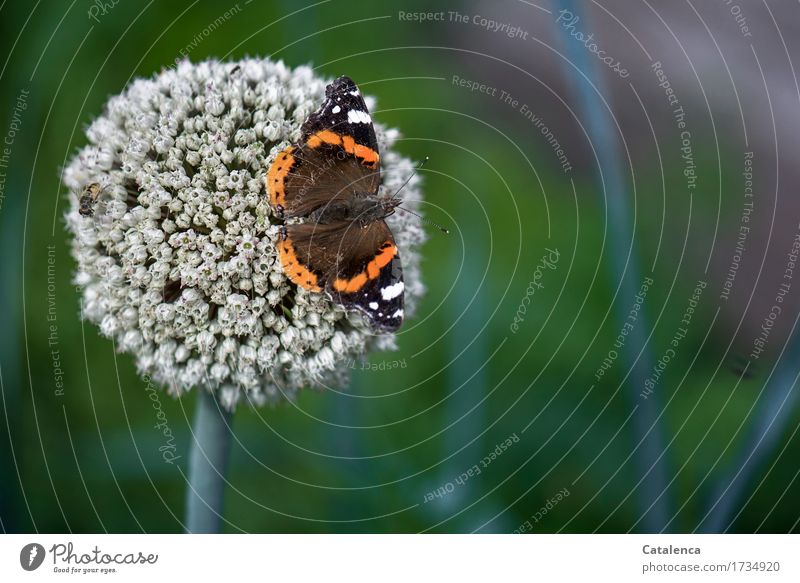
(392, 291)
(356, 116)
(373, 305)
(336, 109)
(354, 93)
(397, 314)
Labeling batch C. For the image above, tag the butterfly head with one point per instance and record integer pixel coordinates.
(388, 204)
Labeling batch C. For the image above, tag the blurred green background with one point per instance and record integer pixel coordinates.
(364, 460)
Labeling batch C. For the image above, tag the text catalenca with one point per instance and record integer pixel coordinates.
(670, 550)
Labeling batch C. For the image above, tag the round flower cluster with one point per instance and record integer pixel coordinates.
(179, 265)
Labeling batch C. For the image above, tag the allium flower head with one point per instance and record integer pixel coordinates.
(179, 263)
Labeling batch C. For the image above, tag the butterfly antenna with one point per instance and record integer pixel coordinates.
(420, 217)
(421, 163)
(426, 221)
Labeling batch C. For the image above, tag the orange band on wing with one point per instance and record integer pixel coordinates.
(324, 137)
(367, 154)
(276, 177)
(385, 254)
(296, 271)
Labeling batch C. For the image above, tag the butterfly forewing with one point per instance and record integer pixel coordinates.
(321, 177)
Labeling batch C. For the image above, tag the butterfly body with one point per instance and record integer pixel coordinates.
(361, 211)
(335, 239)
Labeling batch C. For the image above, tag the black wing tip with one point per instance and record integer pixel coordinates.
(376, 323)
(379, 326)
(343, 83)
(386, 328)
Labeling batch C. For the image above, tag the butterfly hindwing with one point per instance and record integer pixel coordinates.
(374, 284)
(359, 267)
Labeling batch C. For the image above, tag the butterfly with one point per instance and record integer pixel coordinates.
(340, 244)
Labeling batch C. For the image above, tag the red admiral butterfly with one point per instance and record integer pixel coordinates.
(330, 179)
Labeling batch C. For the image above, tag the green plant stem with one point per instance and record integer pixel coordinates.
(208, 462)
(652, 469)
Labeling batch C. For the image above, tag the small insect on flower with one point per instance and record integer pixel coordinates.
(89, 198)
